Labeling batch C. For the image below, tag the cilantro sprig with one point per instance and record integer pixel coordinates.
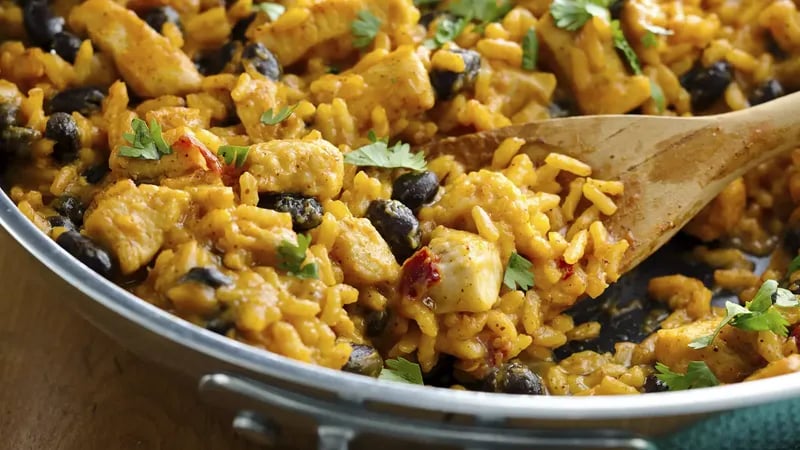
(378, 154)
(530, 50)
(622, 44)
(234, 154)
(759, 314)
(401, 370)
(698, 375)
(518, 273)
(271, 118)
(272, 10)
(292, 256)
(364, 29)
(447, 29)
(463, 12)
(145, 143)
(573, 14)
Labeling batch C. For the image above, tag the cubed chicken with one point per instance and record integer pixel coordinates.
(363, 255)
(470, 271)
(309, 167)
(133, 221)
(147, 61)
(789, 364)
(725, 356)
(252, 98)
(177, 116)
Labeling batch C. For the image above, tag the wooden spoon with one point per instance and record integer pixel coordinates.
(671, 166)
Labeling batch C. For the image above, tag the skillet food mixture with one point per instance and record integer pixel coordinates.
(251, 168)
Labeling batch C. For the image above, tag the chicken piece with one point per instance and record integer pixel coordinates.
(325, 20)
(176, 116)
(598, 78)
(365, 258)
(252, 97)
(470, 271)
(147, 61)
(728, 356)
(308, 167)
(789, 364)
(133, 221)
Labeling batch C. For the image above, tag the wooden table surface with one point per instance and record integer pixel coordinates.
(65, 385)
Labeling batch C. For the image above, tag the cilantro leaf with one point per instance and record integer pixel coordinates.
(145, 143)
(731, 311)
(763, 298)
(401, 370)
(649, 40)
(794, 266)
(573, 14)
(378, 154)
(658, 96)
(234, 154)
(530, 50)
(292, 256)
(518, 273)
(697, 375)
(270, 118)
(769, 320)
(447, 29)
(272, 10)
(484, 11)
(364, 29)
(622, 45)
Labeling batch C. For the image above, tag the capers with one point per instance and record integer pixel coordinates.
(364, 360)
(86, 251)
(447, 83)
(70, 207)
(306, 212)
(706, 85)
(414, 189)
(513, 377)
(210, 276)
(85, 100)
(397, 226)
(62, 129)
(261, 60)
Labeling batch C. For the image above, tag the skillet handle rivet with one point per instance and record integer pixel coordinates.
(255, 428)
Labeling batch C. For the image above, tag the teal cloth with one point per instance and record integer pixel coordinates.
(774, 426)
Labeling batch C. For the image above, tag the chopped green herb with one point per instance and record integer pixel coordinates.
(484, 11)
(401, 370)
(794, 266)
(622, 45)
(658, 96)
(759, 314)
(272, 10)
(364, 29)
(292, 256)
(379, 154)
(518, 273)
(270, 118)
(697, 375)
(649, 40)
(573, 14)
(234, 154)
(530, 50)
(447, 29)
(423, 3)
(145, 143)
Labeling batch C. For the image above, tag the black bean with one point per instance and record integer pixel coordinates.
(706, 85)
(791, 239)
(157, 17)
(86, 251)
(426, 19)
(61, 221)
(17, 141)
(770, 90)
(397, 226)
(364, 360)
(414, 189)
(210, 276)
(376, 322)
(40, 23)
(616, 9)
(85, 100)
(774, 48)
(62, 129)
(306, 212)
(262, 61)
(447, 83)
(66, 45)
(514, 377)
(96, 173)
(240, 29)
(214, 61)
(70, 207)
(562, 108)
(8, 115)
(220, 325)
(653, 384)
